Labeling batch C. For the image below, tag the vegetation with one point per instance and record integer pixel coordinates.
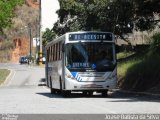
(125, 54)
(155, 44)
(3, 75)
(48, 36)
(23, 18)
(26, 17)
(118, 16)
(7, 8)
(141, 73)
(5, 50)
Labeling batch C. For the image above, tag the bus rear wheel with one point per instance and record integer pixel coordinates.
(53, 91)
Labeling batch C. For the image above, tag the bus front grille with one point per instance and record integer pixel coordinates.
(91, 86)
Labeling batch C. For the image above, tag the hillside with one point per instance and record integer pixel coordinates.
(33, 3)
(26, 18)
(139, 70)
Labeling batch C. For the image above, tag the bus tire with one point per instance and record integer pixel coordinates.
(105, 93)
(60, 83)
(66, 93)
(90, 93)
(85, 93)
(47, 82)
(51, 89)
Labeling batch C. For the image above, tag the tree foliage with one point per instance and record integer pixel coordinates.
(144, 13)
(118, 16)
(7, 8)
(155, 45)
(48, 36)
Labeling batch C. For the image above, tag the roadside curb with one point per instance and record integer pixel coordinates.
(138, 93)
(12, 72)
(33, 65)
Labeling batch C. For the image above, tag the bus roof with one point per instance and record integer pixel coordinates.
(91, 36)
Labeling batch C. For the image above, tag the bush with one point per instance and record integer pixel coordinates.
(155, 44)
(144, 73)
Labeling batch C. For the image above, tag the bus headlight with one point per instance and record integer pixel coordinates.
(70, 76)
(112, 76)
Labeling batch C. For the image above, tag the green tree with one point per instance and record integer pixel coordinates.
(48, 36)
(155, 44)
(88, 15)
(7, 8)
(144, 13)
(118, 16)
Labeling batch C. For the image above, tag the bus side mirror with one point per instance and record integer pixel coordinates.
(62, 47)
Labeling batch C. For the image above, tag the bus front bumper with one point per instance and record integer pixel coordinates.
(80, 86)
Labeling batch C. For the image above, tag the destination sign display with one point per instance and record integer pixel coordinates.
(90, 36)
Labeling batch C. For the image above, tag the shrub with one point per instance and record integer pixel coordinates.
(143, 75)
(155, 44)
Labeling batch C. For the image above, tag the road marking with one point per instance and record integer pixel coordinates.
(12, 76)
(9, 77)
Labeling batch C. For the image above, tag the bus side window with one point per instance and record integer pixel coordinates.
(54, 52)
(47, 55)
(51, 53)
(57, 51)
(60, 50)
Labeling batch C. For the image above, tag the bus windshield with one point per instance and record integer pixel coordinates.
(91, 56)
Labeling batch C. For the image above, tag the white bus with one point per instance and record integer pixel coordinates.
(81, 61)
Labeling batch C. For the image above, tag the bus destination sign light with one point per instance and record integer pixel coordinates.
(91, 36)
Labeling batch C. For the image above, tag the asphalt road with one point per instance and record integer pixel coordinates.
(23, 94)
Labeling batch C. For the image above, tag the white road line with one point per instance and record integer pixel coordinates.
(10, 80)
(9, 77)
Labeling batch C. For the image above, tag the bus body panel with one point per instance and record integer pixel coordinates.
(55, 72)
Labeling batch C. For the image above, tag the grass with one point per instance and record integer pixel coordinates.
(126, 64)
(3, 75)
(140, 73)
(124, 54)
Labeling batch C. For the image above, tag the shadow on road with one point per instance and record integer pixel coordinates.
(112, 97)
(73, 95)
(49, 95)
(133, 97)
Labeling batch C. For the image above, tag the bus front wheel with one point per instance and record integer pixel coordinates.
(105, 93)
(66, 93)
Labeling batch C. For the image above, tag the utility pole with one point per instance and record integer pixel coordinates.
(30, 42)
(40, 36)
(37, 27)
